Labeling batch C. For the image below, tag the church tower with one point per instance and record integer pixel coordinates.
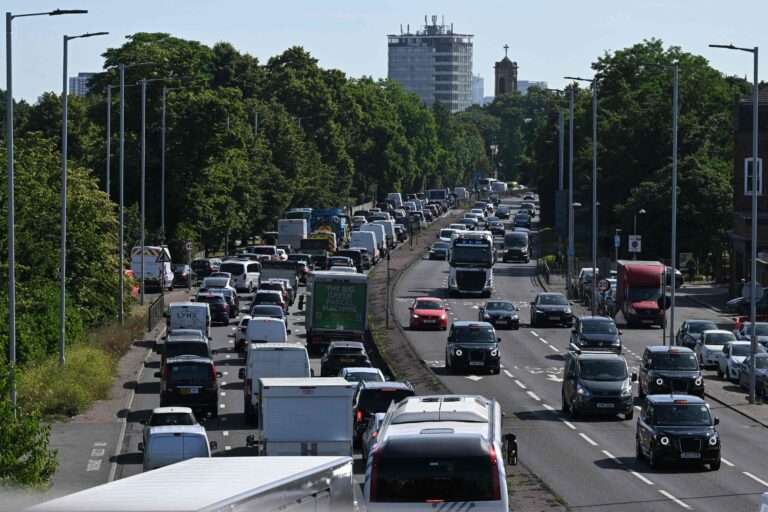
(506, 75)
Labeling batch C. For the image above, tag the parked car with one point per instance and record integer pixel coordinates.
(428, 312)
(690, 332)
(742, 306)
(342, 354)
(710, 344)
(761, 373)
(744, 332)
(500, 314)
(183, 275)
(734, 353)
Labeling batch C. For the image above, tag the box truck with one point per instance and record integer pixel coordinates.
(157, 266)
(291, 232)
(337, 307)
(639, 290)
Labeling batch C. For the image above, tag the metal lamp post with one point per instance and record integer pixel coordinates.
(63, 276)
(9, 17)
(571, 204)
(755, 167)
(641, 211)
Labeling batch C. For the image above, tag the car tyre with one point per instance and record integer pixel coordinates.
(640, 392)
(638, 450)
(653, 461)
(215, 411)
(563, 403)
(448, 366)
(719, 372)
(575, 413)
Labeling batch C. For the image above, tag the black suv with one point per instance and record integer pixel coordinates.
(190, 381)
(203, 267)
(500, 313)
(597, 383)
(373, 397)
(343, 354)
(677, 428)
(355, 255)
(180, 343)
(690, 332)
(665, 370)
(472, 346)
(516, 246)
(217, 305)
(551, 307)
(595, 333)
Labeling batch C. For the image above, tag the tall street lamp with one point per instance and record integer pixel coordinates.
(634, 229)
(755, 167)
(560, 155)
(571, 205)
(63, 277)
(107, 186)
(593, 81)
(9, 17)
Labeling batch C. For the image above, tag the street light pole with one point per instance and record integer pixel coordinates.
(121, 217)
(673, 278)
(162, 167)
(571, 249)
(9, 17)
(753, 267)
(143, 160)
(641, 211)
(109, 136)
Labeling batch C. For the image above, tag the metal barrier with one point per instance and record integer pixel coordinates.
(155, 313)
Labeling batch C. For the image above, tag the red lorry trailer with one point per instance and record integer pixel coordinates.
(638, 290)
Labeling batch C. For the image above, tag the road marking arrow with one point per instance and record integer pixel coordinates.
(554, 378)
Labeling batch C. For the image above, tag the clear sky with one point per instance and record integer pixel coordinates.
(547, 38)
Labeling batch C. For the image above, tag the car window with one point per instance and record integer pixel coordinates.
(175, 418)
(500, 306)
(474, 334)
(233, 268)
(697, 327)
(347, 351)
(674, 361)
(718, 338)
(363, 377)
(607, 371)
(378, 400)
(187, 373)
(682, 414)
(185, 348)
(598, 327)
(428, 304)
(553, 300)
(744, 350)
(267, 310)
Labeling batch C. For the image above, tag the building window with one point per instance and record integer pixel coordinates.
(748, 176)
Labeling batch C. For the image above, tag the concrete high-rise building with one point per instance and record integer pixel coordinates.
(477, 89)
(78, 85)
(505, 74)
(524, 85)
(435, 63)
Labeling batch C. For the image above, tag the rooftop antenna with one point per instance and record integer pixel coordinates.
(451, 27)
(408, 28)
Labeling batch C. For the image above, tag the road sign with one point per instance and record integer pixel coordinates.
(603, 285)
(189, 245)
(571, 251)
(617, 240)
(746, 292)
(163, 257)
(634, 243)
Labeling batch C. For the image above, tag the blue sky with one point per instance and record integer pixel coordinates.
(548, 38)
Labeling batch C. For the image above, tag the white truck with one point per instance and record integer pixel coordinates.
(189, 315)
(470, 259)
(305, 416)
(225, 484)
(281, 270)
(245, 274)
(291, 232)
(389, 231)
(156, 268)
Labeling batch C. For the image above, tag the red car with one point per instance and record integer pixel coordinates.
(429, 312)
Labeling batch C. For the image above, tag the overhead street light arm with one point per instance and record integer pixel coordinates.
(87, 34)
(731, 47)
(56, 12)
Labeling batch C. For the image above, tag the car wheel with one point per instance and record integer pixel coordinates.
(517, 325)
(714, 466)
(638, 450)
(574, 411)
(215, 411)
(719, 372)
(533, 321)
(563, 403)
(640, 392)
(653, 461)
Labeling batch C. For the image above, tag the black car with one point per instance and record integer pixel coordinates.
(190, 381)
(439, 251)
(373, 397)
(301, 256)
(218, 306)
(355, 255)
(677, 428)
(472, 346)
(502, 212)
(667, 370)
(185, 344)
(343, 354)
(522, 220)
(741, 305)
(595, 333)
(496, 227)
(500, 314)
(530, 208)
(597, 383)
(203, 267)
(268, 311)
(183, 275)
(516, 247)
(551, 307)
(690, 332)
(232, 300)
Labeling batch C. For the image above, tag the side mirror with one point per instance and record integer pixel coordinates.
(620, 333)
(450, 339)
(498, 339)
(510, 445)
(141, 446)
(219, 375)
(634, 377)
(410, 308)
(573, 329)
(717, 421)
(157, 375)
(241, 373)
(447, 309)
(214, 352)
(311, 372)
(250, 440)
(533, 303)
(210, 338)
(214, 445)
(288, 331)
(165, 314)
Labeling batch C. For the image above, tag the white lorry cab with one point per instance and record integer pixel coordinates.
(156, 266)
(189, 315)
(245, 274)
(366, 239)
(395, 198)
(270, 360)
(444, 450)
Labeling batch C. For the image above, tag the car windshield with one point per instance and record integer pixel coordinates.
(553, 300)
(517, 241)
(211, 299)
(264, 250)
(446, 233)
(698, 327)
(636, 294)
(607, 371)
(761, 329)
(474, 334)
(761, 363)
(475, 254)
(186, 373)
(185, 348)
(363, 377)
(745, 350)
(685, 361)
(267, 311)
(347, 351)
(719, 338)
(428, 304)
(378, 400)
(598, 327)
(172, 418)
(441, 245)
(500, 306)
(233, 268)
(268, 297)
(682, 414)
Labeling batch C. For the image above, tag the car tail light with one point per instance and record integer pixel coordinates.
(375, 474)
(249, 387)
(495, 473)
(164, 379)
(215, 380)
(359, 416)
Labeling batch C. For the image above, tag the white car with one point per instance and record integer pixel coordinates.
(337, 268)
(359, 374)
(241, 339)
(168, 416)
(732, 355)
(761, 330)
(458, 227)
(282, 255)
(710, 344)
(478, 211)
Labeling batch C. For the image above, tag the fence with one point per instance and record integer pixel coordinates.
(155, 313)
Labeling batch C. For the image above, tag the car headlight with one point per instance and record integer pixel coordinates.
(458, 352)
(583, 392)
(442, 317)
(567, 311)
(664, 441)
(713, 440)
(626, 390)
(415, 315)
(698, 381)
(494, 352)
(659, 381)
(487, 317)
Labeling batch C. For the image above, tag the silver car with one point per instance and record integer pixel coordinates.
(370, 435)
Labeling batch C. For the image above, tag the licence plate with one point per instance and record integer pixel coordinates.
(690, 455)
(429, 321)
(501, 322)
(553, 317)
(188, 391)
(476, 363)
(604, 406)
(646, 321)
(347, 360)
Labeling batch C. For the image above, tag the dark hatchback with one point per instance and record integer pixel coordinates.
(595, 333)
(183, 275)
(439, 251)
(472, 346)
(677, 428)
(217, 305)
(665, 370)
(501, 314)
(190, 381)
(203, 267)
(268, 311)
(343, 354)
(373, 397)
(690, 332)
(551, 307)
(597, 383)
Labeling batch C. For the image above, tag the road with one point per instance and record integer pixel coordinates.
(590, 463)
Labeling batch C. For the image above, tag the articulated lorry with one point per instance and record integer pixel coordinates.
(471, 258)
(336, 308)
(638, 292)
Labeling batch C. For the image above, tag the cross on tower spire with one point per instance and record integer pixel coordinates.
(506, 47)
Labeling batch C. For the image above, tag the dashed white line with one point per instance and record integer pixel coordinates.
(520, 384)
(225, 373)
(554, 348)
(587, 439)
(230, 341)
(543, 340)
(228, 356)
(534, 396)
(569, 424)
(221, 406)
(225, 433)
(637, 407)
(506, 372)
(726, 462)
(548, 407)
(612, 457)
(753, 477)
(534, 333)
(223, 384)
(223, 393)
(641, 477)
(227, 447)
(665, 493)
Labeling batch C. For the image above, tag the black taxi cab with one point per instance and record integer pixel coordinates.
(677, 428)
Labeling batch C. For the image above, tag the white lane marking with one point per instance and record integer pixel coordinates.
(753, 477)
(520, 384)
(612, 457)
(665, 493)
(534, 333)
(543, 340)
(548, 407)
(554, 348)
(223, 384)
(230, 341)
(223, 419)
(225, 373)
(587, 439)
(221, 406)
(727, 462)
(637, 407)
(473, 377)
(506, 372)
(228, 356)
(225, 433)
(223, 393)
(227, 447)
(534, 396)
(641, 477)
(569, 424)
(554, 378)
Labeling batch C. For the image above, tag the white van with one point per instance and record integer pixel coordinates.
(169, 444)
(389, 230)
(189, 315)
(245, 274)
(157, 266)
(262, 329)
(461, 192)
(270, 360)
(365, 239)
(378, 231)
(395, 198)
